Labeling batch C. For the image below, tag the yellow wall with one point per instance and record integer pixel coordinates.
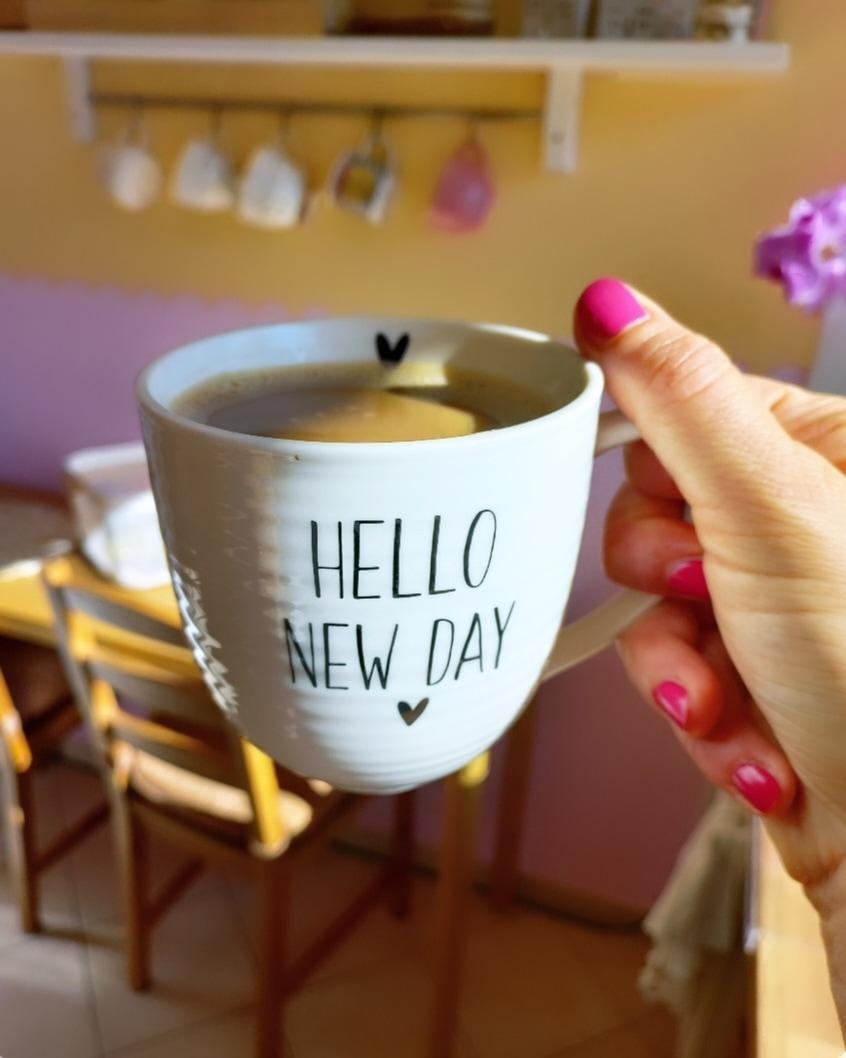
(674, 181)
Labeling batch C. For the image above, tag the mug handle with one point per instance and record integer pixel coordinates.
(597, 630)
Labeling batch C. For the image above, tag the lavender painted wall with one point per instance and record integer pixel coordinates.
(69, 355)
(612, 798)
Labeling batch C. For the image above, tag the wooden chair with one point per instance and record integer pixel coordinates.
(37, 712)
(181, 771)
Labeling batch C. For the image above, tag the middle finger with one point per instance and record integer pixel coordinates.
(649, 546)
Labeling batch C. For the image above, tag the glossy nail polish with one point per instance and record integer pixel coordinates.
(688, 578)
(672, 698)
(605, 309)
(757, 786)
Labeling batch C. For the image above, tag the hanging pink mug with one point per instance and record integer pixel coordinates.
(465, 192)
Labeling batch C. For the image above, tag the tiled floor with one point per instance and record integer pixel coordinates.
(535, 986)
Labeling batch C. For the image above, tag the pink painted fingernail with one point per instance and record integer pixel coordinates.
(757, 786)
(672, 698)
(688, 578)
(605, 309)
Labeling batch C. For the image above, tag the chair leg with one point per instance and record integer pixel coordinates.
(514, 790)
(274, 881)
(22, 840)
(403, 848)
(463, 795)
(133, 856)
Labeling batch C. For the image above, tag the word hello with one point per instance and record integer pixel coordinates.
(355, 576)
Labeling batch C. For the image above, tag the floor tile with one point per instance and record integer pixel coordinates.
(615, 959)
(633, 1040)
(58, 906)
(323, 883)
(93, 864)
(619, 1043)
(527, 992)
(479, 913)
(230, 1036)
(46, 1006)
(378, 1013)
(658, 1031)
(201, 966)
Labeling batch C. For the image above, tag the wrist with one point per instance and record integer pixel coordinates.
(828, 896)
(827, 893)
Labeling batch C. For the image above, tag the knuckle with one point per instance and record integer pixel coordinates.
(616, 553)
(682, 366)
(613, 550)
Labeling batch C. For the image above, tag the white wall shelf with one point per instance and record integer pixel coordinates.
(564, 62)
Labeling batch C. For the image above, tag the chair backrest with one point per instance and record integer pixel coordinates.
(12, 737)
(119, 658)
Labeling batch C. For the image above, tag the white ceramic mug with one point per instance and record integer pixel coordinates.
(376, 615)
(272, 191)
(203, 179)
(130, 172)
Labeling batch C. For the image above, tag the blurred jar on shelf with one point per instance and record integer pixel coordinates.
(422, 17)
(554, 18)
(645, 19)
(725, 21)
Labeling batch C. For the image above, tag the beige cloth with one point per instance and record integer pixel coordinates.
(696, 965)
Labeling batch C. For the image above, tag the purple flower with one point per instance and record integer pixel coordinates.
(808, 254)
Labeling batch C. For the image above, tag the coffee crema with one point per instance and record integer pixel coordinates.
(361, 402)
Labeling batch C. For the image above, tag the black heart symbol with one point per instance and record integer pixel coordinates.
(391, 354)
(408, 714)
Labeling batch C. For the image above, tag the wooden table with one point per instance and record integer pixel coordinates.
(25, 614)
(792, 1008)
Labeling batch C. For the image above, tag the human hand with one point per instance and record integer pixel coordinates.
(747, 654)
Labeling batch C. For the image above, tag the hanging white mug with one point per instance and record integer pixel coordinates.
(129, 170)
(272, 191)
(203, 179)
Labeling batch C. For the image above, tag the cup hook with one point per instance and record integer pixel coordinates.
(377, 124)
(472, 134)
(216, 121)
(134, 124)
(284, 126)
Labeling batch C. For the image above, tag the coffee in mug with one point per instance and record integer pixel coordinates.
(355, 403)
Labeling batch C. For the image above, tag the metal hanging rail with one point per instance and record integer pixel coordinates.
(135, 101)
